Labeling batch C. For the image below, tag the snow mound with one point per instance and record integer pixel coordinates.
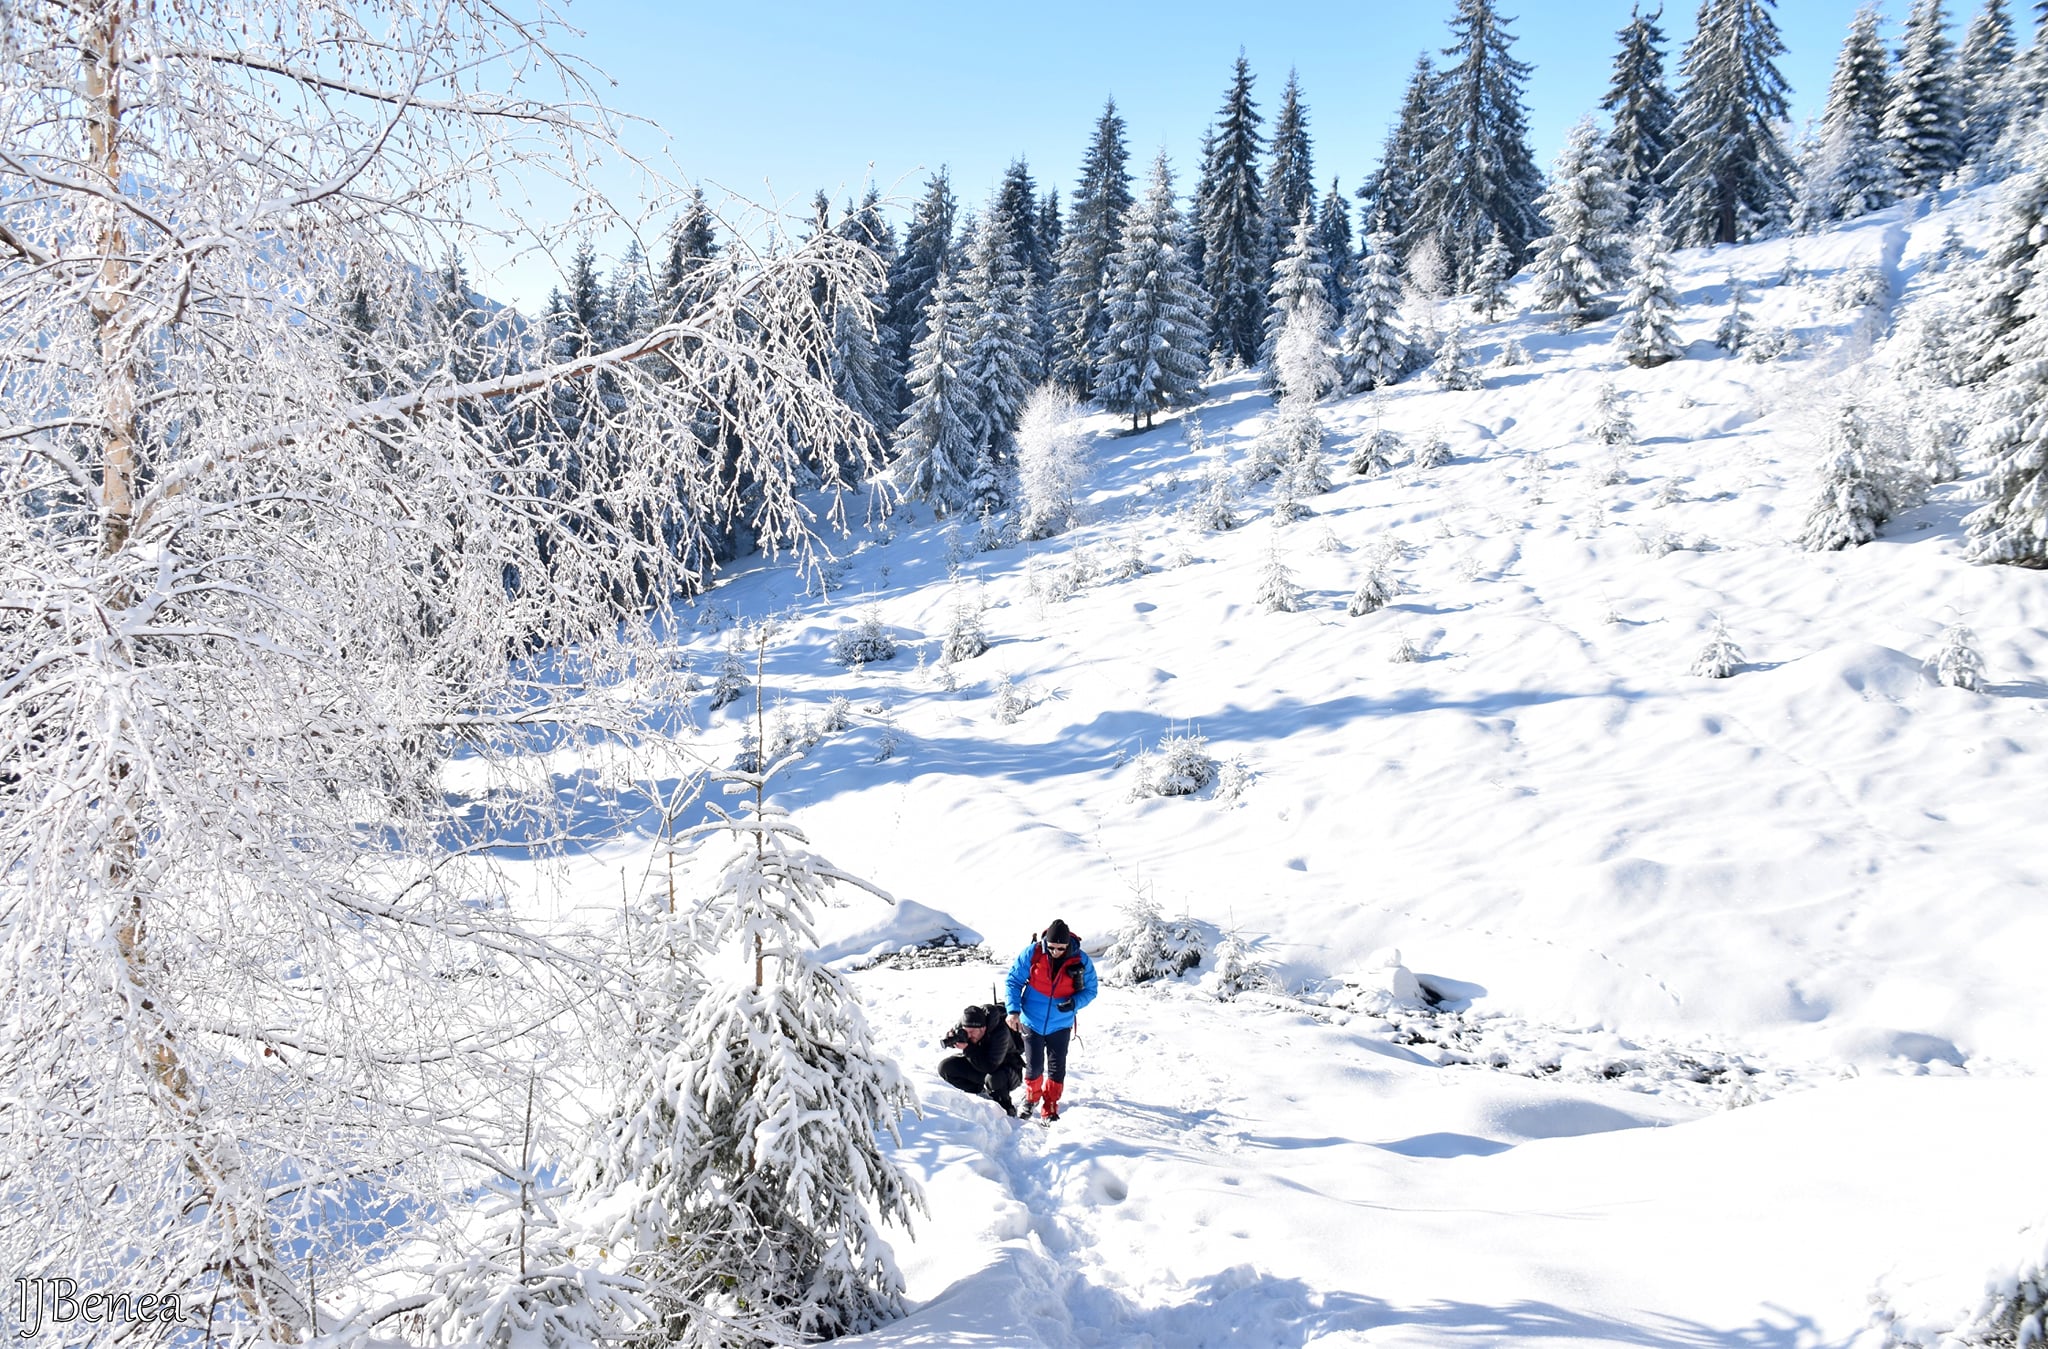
(909, 925)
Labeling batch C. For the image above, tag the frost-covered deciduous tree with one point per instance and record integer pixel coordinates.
(1301, 319)
(262, 571)
(1050, 461)
(1647, 336)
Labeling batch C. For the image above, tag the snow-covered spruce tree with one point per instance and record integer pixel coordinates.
(1050, 463)
(1376, 454)
(1453, 367)
(749, 1136)
(1922, 126)
(1093, 232)
(1179, 765)
(1153, 342)
(1477, 172)
(1290, 191)
(1859, 487)
(1611, 423)
(262, 573)
(1376, 589)
(1278, 594)
(1727, 174)
(1586, 211)
(1148, 946)
(1333, 236)
(1648, 336)
(1000, 356)
(866, 642)
(1983, 69)
(1373, 349)
(1434, 451)
(1303, 436)
(935, 449)
(1300, 316)
(1238, 968)
(1996, 328)
(859, 370)
(1720, 657)
(1734, 330)
(965, 637)
(1640, 110)
(1958, 664)
(1851, 174)
(1230, 215)
(917, 273)
(731, 683)
(1390, 194)
(1215, 506)
(1490, 285)
(2012, 525)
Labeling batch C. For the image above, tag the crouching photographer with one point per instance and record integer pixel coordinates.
(990, 1062)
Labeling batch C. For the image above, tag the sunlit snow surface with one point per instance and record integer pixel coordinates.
(1828, 868)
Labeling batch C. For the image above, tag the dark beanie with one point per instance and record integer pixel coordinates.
(1059, 932)
(974, 1016)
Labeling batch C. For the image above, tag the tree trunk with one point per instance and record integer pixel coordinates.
(233, 1198)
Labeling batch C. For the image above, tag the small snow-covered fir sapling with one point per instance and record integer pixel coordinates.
(1129, 559)
(743, 1152)
(1328, 542)
(1669, 493)
(1376, 454)
(1405, 651)
(1859, 489)
(1288, 506)
(528, 1287)
(866, 642)
(1512, 353)
(1278, 594)
(1180, 765)
(1149, 946)
(1238, 968)
(730, 683)
(1648, 335)
(1720, 657)
(1735, 324)
(1958, 664)
(1453, 369)
(1376, 590)
(990, 534)
(965, 637)
(1306, 467)
(1490, 280)
(1214, 508)
(1011, 701)
(1050, 462)
(1953, 251)
(1611, 423)
(1434, 451)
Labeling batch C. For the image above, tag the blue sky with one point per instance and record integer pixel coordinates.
(777, 100)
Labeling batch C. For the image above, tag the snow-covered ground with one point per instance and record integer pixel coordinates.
(1822, 878)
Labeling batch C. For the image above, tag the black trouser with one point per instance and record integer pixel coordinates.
(999, 1084)
(1046, 1053)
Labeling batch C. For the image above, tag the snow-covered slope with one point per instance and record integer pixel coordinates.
(1828, 865)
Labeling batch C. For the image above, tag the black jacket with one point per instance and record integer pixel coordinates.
(997, 1047)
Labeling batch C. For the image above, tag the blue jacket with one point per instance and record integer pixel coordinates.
(1037, 986)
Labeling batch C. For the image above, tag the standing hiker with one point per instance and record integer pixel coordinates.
(1050, 982)
(989, 1062)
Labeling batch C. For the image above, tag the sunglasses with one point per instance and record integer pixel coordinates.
(1056, 947)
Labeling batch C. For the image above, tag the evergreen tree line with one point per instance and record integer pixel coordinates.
(1128, 299)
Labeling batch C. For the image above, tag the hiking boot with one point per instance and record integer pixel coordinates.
(1051, 1108)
